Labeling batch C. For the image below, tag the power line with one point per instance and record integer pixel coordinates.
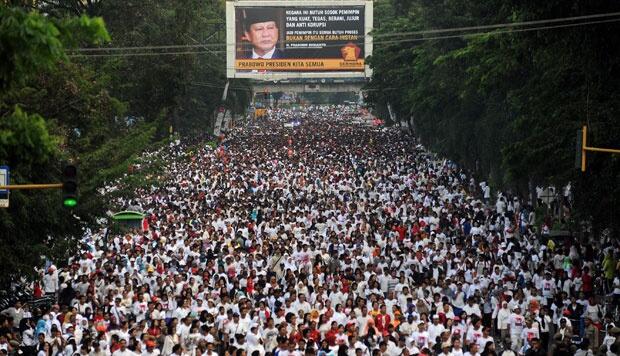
(103, 49)
(133, 54)
(397, 41)
(219, 86)
(468, 35)
(509, 24)
(212, 85)
(379, 35)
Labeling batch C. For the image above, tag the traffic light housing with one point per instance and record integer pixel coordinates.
(69, 185)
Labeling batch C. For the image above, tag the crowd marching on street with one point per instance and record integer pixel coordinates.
(325, 237)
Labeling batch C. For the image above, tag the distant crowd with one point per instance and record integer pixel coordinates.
(326, 237)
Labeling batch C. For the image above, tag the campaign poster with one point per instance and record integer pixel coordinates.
(299, 39)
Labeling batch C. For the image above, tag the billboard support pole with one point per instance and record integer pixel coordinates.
(219, 118)
(225, 93)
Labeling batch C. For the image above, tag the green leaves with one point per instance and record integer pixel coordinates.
(24, 140)
(100, 112)
(504, 103)
(83, 30)
(43, 101)
(28, 43)
(188, 86)
(31, 42)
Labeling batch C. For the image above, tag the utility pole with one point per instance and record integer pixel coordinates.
(582, 137)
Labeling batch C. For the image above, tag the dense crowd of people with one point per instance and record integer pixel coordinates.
(330, 237)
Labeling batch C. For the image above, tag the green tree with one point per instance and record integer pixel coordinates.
(33, 225)
(506, 104)
(185, 88)
(57, 104)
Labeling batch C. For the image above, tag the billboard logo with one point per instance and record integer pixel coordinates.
(350, 52)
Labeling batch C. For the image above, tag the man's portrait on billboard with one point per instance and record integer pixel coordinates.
(260, 29)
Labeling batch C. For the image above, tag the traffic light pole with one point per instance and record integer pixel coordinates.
(69, 186)
(585, 148)
(31, 186)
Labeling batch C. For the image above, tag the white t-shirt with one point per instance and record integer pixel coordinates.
(420, 339)
(529, 333)
(548, 287)
(516, 323)
(482, 341)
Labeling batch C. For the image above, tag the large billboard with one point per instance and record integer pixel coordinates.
(273, 40)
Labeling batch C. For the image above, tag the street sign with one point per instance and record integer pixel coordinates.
(4, 180)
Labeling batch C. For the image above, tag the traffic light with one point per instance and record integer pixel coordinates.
(69, 186)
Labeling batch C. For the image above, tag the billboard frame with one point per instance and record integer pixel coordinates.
(231, 72)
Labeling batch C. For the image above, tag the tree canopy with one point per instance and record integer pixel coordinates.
(507, 102)
(66, 97)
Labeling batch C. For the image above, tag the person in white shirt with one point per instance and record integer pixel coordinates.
(183, 329)
(548, 288)
(544, 322)
(516, 323)
(244, 322)
(473, 350)
(487, 193)
(363, 319)
(474, 332)
(529, 332)
(457, 348)
(445, 349)
(50, 281)
(123, 351)
(254, 341)
(435, 329)
(502, 320)
(150, 349)
(593, 310)
(420, 338)
(507, 349)
(302, 304)
(458, 328)
(472, 308)
(406, 328)
(140, 307)
(486, 337)
(339, 316)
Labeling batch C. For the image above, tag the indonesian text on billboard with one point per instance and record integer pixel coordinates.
(299, 39)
